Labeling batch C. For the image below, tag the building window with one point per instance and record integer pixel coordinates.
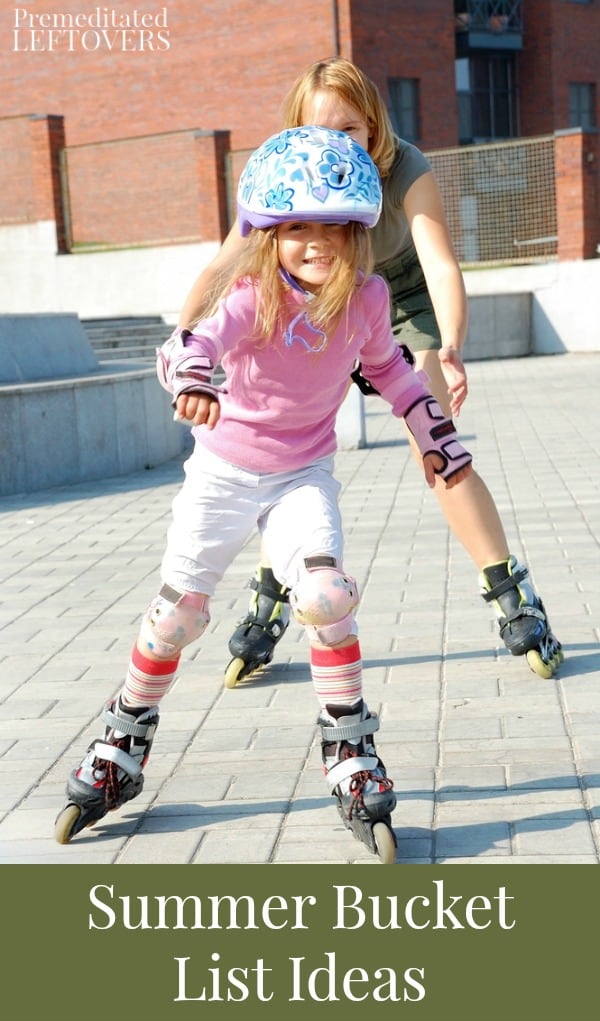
(486, 90)
(404, 107)
(582, 105)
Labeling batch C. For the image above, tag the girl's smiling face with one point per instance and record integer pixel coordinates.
(308, 250)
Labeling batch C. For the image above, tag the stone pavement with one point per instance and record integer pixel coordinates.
(490, 762)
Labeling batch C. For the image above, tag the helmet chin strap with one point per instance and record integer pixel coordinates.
(289, 279)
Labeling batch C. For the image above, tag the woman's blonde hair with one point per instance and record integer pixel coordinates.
(348, 82)
(259, 263)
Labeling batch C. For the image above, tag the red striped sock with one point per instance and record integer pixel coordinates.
(337, 674)
(147, 680)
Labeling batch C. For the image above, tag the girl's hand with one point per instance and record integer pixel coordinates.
(198, 409)
(455, 376)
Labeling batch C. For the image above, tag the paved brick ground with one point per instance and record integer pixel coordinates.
(490, 762)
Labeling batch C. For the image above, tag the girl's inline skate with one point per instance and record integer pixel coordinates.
(522, 621)
(357, 777)
(253, 642)
(111, 772)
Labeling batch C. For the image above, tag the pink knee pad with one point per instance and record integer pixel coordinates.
(174, 620)
(324, 600)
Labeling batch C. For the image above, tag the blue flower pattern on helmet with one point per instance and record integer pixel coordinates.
(335, 170)
(280, 198)
(308, 173)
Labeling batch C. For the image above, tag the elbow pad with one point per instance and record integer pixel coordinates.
(436, 434)
(182, 371)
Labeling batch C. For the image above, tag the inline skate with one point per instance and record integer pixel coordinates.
(357, 777)
(253, 642)
(522, 620)
(111, 772)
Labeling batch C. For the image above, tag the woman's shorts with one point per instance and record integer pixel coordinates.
(412, 316)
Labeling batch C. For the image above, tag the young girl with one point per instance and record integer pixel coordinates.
(414, 253)
(301, 309)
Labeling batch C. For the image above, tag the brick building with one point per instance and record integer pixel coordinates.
(206, 76)
(524, 67)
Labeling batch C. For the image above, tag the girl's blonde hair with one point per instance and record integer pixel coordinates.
(259, 263)
(348, 82)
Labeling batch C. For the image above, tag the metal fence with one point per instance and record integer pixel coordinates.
(500, 200)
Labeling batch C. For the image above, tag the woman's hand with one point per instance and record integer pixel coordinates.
(455, 376)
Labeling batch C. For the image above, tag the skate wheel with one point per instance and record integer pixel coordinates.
(385, 843)
(65, 823)
(234, 672)
(539, 666)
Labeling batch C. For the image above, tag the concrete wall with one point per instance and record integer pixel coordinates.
(98, 421)
(48, 346)
(132, 281)
(565, 301)
(56, 434)
(500, 326)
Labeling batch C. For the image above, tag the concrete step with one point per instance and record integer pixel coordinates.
(133, 334)
(124, 332)
(131, 337)
(124, 322)
(115, 352)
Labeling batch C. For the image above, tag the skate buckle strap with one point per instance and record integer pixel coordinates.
(523, 611)
(111, 753)
(348, 767)
(128, 727)
(504, 586)
(281, 595)
(350, 731)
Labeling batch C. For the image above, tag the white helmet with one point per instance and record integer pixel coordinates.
(308, 173)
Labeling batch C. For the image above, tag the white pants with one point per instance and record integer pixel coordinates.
(220, 505)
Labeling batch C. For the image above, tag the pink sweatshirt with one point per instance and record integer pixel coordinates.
(282, 397)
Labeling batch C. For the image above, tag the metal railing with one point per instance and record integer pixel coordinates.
(492, 15)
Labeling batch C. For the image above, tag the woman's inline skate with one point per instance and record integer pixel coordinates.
(111, 772)
(522, 620)
(253, 642)
(357, 776)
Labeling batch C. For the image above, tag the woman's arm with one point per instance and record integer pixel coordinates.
(202, 291)
(429, 228)
(431, 236)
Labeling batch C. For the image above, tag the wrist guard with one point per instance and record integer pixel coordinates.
(181, 371)
(436, 434)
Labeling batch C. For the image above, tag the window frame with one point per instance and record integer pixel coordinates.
(585, 91)
(402, 112)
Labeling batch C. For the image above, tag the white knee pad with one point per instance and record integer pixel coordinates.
(324, 600)
(173, 620)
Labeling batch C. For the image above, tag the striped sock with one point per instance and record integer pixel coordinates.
(337, 674)
(147, 680)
